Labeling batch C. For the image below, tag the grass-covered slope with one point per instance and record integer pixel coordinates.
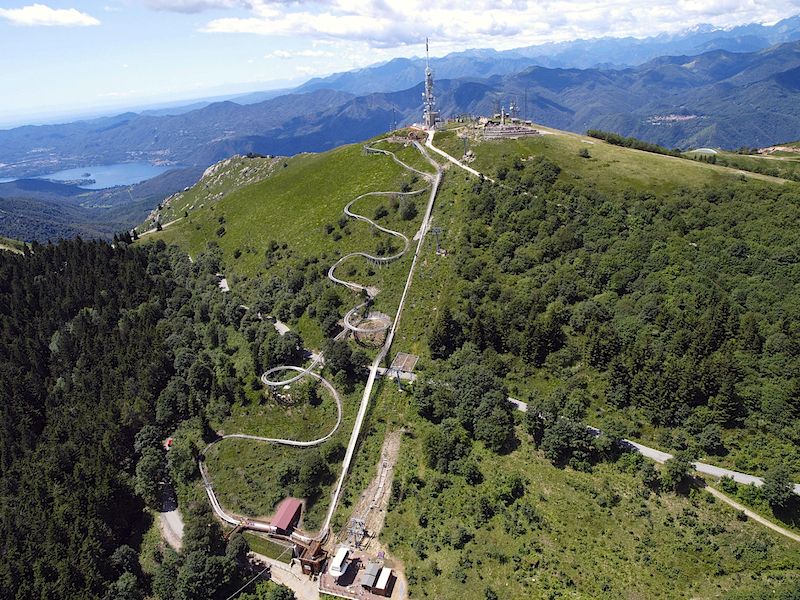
(290, 224)
(607, 167)
(650, 295)
(217, 180)
(781, 164)
(292, 205)
(656, 259)
(11, 245)
(274, 231)
(601, 534)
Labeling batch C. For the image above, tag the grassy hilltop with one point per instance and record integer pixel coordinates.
(650, 295)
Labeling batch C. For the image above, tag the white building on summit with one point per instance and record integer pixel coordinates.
(429, 114)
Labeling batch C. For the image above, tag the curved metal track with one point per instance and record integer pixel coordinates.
(318, 359)
(302, 372)
(374, 259)
(385, 322)
(253, 523)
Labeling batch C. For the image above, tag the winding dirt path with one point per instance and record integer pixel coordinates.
(750, 514)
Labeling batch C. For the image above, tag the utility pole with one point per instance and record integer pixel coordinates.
(437, 231)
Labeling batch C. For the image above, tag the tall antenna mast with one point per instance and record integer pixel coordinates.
(427, 56)
(429, 114)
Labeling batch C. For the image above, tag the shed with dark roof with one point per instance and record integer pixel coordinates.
(370, 575)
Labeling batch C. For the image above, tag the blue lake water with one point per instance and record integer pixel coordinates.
(106, 175)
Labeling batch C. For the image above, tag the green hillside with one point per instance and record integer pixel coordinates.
(607, 166)
(11, 245)
(275, 240)
(740, 252)
(652, 296)
(292, 205)
(548, 278)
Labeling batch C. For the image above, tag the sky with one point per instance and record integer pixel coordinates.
(61, 57)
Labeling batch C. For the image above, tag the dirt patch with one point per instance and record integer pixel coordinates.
(372, 503)
(171, 525)
(772, 149)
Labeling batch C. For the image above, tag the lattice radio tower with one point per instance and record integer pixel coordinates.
(429, 114)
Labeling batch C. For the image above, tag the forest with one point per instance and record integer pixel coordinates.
(105, 351)
(631, 142)
(653, 313)
(671, 316)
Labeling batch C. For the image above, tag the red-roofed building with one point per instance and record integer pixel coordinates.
(287, 515)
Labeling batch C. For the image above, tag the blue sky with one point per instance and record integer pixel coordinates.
(64, 56)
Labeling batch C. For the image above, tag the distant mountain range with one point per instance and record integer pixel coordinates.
(718, 98)
(197, 137)
(711, 93)
(601, 53)
(37, 209)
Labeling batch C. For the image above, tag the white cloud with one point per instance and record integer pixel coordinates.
(308, 71)
(194, 6)
(287, 54)
(456, 24)
(120, 94)
(42, 15)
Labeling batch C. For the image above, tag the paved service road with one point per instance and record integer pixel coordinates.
(519, 404)
(172, 527)
(429, 144)
(662, 457)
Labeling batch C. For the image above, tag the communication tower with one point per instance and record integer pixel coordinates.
(429, 114)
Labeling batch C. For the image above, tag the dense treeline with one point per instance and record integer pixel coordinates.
(466, 396)
(764, 166)
(631, 142)
(297, 285)
(683, 302)
(105, 351)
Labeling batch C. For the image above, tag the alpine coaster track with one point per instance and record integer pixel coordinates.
(267, 378)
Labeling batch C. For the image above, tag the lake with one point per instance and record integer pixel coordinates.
(106, 176)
